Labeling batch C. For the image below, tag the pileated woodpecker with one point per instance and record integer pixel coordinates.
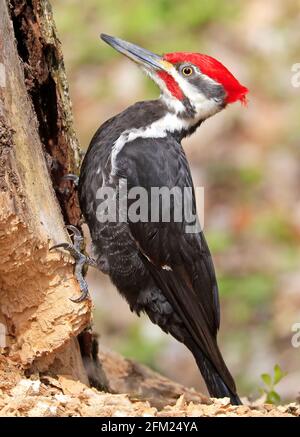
(158, 267)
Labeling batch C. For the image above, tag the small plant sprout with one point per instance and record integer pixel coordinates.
(272, 397)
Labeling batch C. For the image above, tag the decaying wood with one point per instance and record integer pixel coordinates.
(35, 285)
(40, 51)
(142, 383)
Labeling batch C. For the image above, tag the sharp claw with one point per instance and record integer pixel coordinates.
(57, 246)
(82, 297)
(75, 231)
(71, 177)
(77, 237)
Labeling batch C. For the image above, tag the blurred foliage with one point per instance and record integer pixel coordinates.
(219, 241)
(276, 226)
(142, 349)
(252, 289)
(173, 21)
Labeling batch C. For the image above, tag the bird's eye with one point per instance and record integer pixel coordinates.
(187, 71)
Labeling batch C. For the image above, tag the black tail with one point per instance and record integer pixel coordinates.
(215, 385)
(198, 332)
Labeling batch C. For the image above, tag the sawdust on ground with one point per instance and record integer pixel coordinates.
(62, 396)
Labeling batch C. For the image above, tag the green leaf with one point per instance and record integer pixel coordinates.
(267, 379)
(278, 374)
(273, 397)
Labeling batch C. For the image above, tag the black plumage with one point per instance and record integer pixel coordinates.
(182, 300)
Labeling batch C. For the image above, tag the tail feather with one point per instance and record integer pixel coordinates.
(199, 335)
(215, 384)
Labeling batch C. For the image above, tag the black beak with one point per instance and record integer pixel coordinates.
(139, 55)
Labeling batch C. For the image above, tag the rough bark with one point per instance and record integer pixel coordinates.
(36, 139)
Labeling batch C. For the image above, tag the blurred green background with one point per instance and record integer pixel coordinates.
(248, 160)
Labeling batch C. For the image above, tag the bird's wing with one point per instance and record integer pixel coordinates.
(179, 262)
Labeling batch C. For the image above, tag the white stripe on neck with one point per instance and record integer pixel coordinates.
(170, 122)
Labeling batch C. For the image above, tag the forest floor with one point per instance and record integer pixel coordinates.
(59, 395)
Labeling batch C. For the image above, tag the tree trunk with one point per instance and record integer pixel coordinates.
(37, 147)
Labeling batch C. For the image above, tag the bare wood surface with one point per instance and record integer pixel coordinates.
(142, 383)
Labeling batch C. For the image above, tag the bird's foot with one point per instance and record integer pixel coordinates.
(80, 260)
